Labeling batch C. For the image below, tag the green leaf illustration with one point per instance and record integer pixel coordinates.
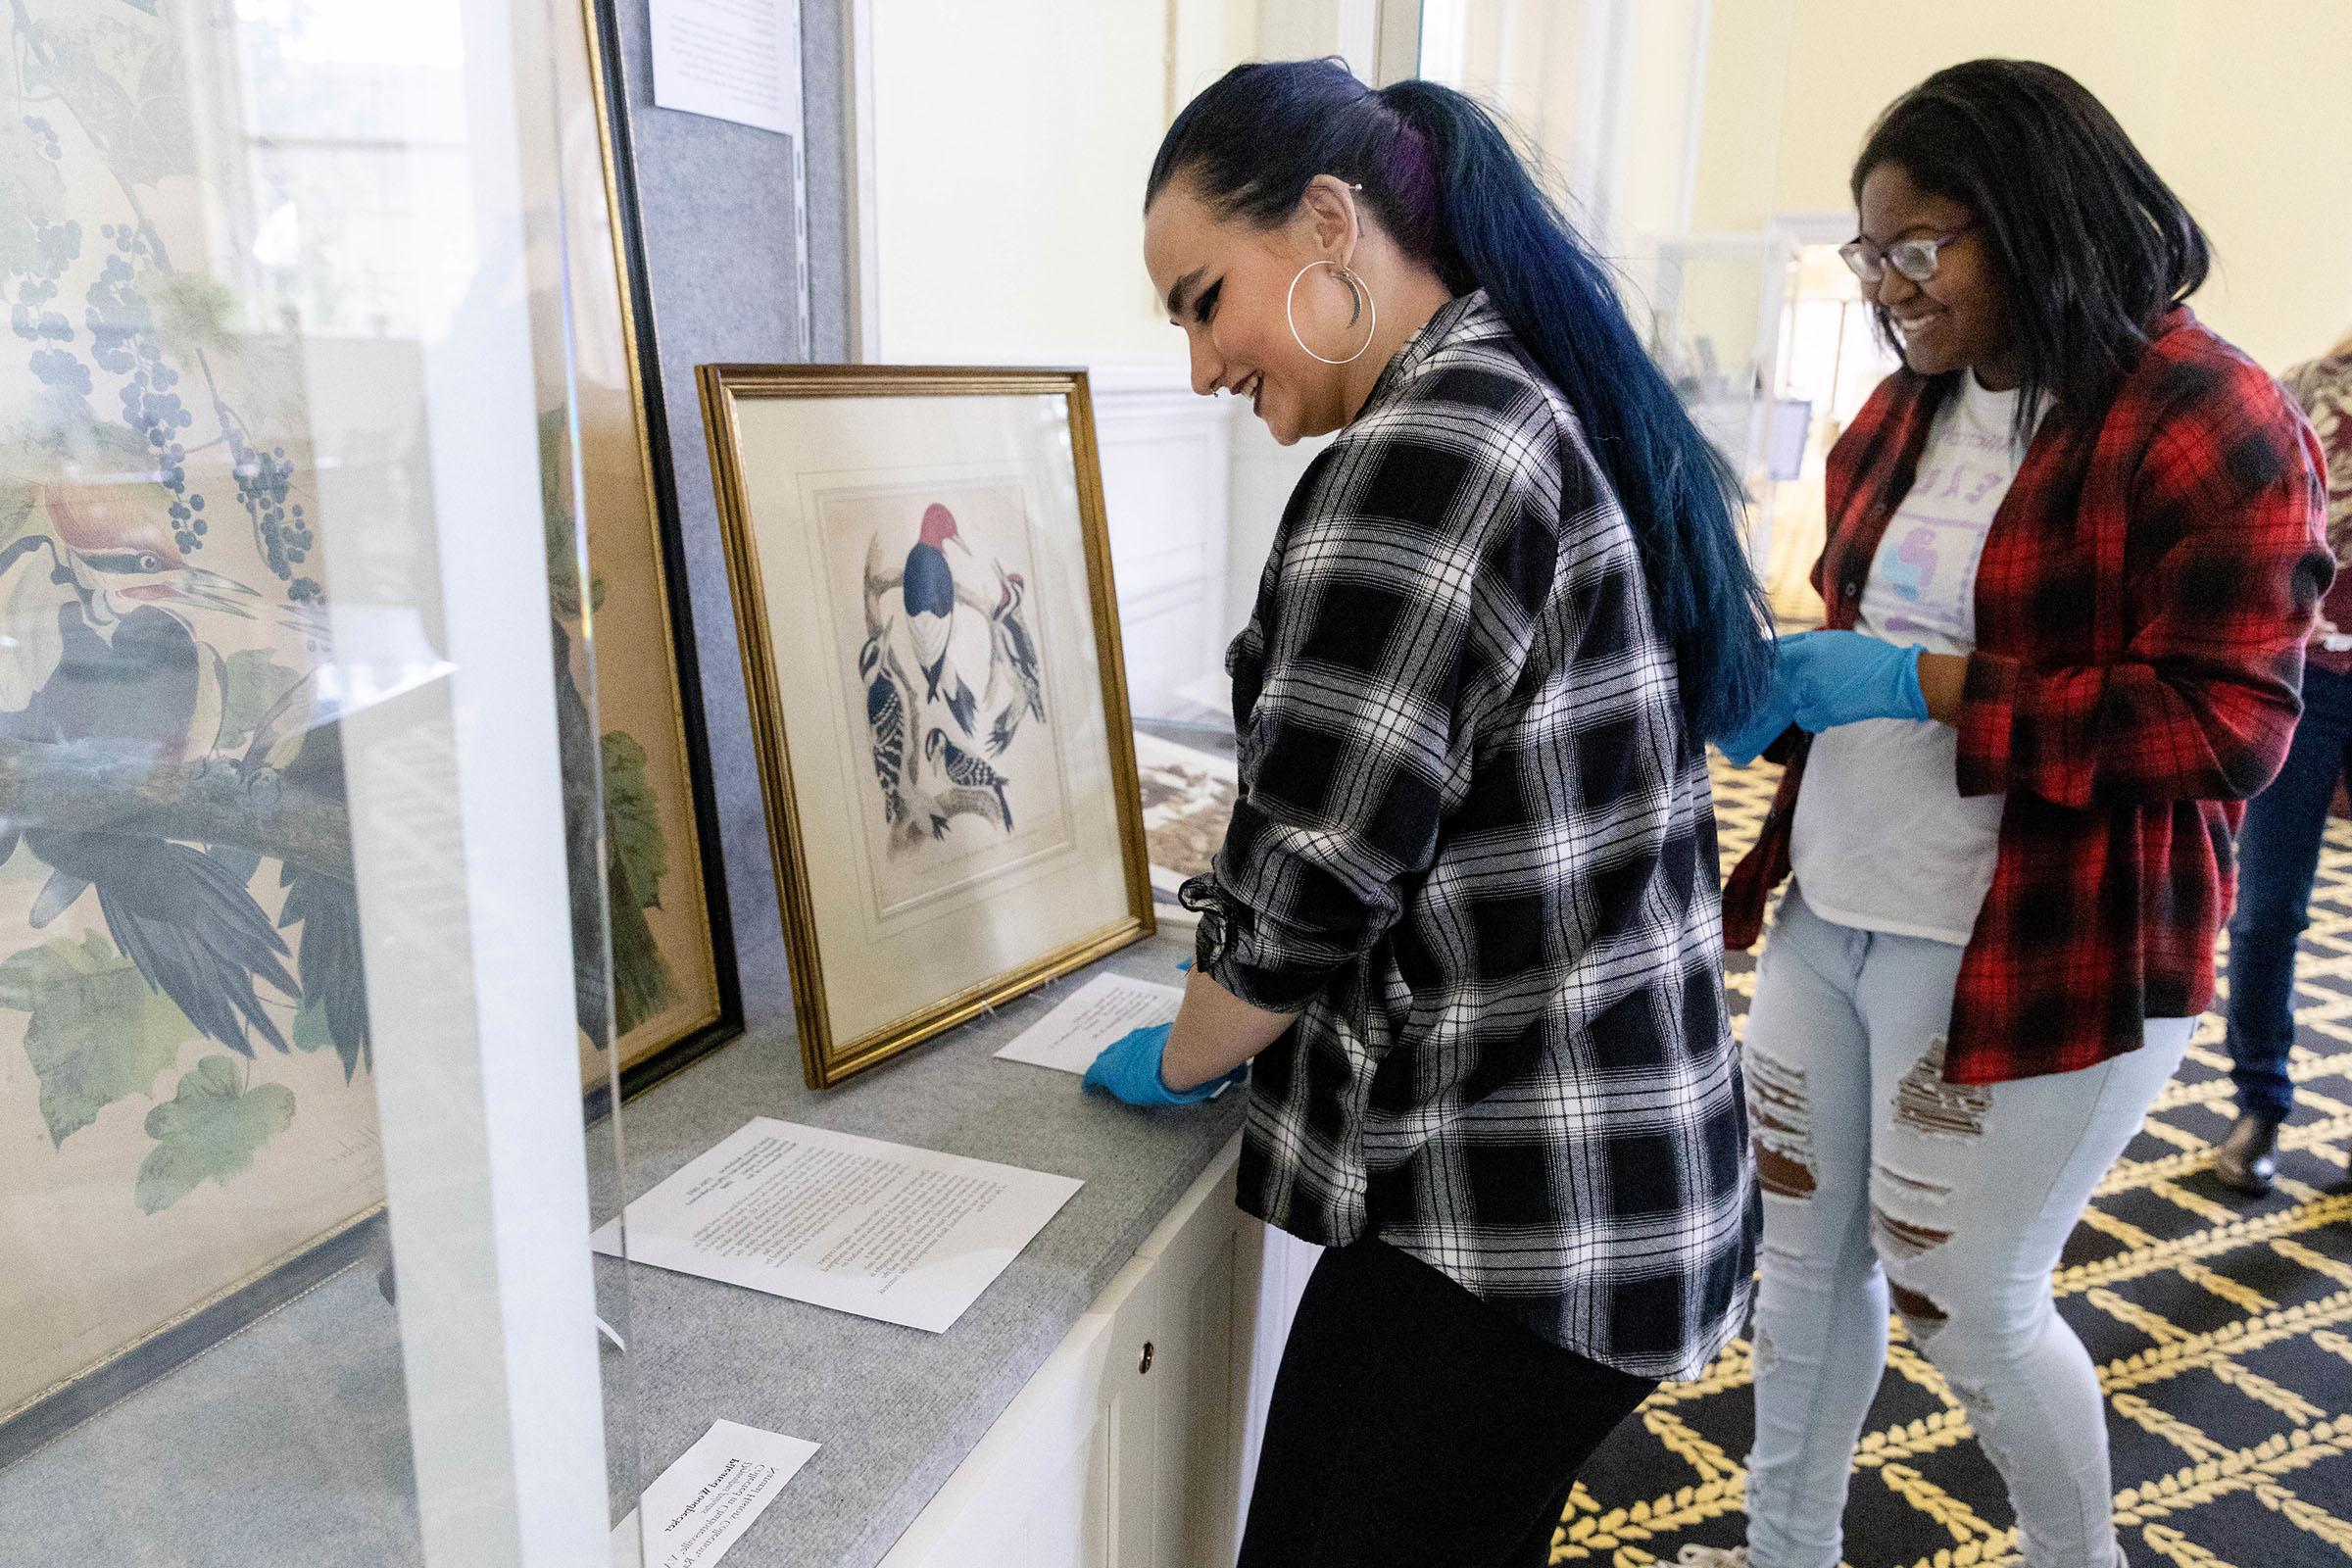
(310, 1032)
(633, 820)
(142, 130)
(194, 309)
(252, 685)
(24, 464)
(554, 509)
(97, 1033)
(208, 1131)
(637, 858)
(159, 144)
(554, 514)
(31, 191)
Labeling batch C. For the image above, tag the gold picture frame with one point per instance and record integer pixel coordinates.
(667, 948)
(915, 894)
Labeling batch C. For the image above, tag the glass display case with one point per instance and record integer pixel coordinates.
(308, 864)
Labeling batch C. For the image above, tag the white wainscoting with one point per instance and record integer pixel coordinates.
(1194, 487)
(1165, 466)
(1264, 475)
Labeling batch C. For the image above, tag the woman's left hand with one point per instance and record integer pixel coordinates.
(1843, 677)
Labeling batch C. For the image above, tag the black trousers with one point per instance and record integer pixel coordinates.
(1414, 1426)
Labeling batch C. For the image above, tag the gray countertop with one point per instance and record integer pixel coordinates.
(287, 1444)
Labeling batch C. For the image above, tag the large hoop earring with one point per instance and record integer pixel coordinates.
(1356, 291)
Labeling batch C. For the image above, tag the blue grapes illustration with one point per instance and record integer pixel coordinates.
(263, 479)
(124, 342)
(64, 378)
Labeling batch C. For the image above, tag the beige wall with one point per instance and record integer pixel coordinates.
(1012, 138)
(1522, 57)
(2238, 106)
(1010, 141)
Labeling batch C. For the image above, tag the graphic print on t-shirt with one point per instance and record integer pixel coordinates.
(1923, 582)
(1883, 841)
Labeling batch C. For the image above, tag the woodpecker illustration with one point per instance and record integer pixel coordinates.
(928, 588)
(968, 772)
(886, 722)
(297, 748)
(1014, 650)
(105, 615)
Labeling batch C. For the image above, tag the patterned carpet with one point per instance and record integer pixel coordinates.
(2222, 1327)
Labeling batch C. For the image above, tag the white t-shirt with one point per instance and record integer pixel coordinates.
(1883, 840)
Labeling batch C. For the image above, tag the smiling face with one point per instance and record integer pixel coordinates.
(1954, 320)
(1226, 284)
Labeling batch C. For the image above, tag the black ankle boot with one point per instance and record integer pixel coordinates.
(2247, 1156)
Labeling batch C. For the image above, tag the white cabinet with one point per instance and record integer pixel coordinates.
(1129, 1447)
(1203, 1301)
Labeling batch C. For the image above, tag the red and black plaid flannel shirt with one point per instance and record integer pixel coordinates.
(2142, 604)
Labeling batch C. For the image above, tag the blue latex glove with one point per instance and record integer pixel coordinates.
(1841, 677)
(1778, 709)
(1128, 1069)
(1773, 716)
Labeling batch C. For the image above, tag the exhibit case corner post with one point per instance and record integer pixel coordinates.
(305, 951)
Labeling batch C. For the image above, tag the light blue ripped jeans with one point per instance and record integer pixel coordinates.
(1882, 1181)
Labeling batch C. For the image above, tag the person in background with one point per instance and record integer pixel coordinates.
(2279, 846)
(1466, 918)
(2075, 547)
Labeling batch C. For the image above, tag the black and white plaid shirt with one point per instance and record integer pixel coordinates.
(1475, 854)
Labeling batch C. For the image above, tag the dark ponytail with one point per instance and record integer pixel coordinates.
(1445, 183)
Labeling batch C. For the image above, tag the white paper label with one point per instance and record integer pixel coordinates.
(1098, 1013)
(737, 59)
(708, 1497)
(904, 1235)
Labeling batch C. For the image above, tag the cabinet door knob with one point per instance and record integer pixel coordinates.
(1146, 1364)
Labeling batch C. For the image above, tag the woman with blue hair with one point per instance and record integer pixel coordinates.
(1466, 918)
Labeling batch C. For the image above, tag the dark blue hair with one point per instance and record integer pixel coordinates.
(1443, 181)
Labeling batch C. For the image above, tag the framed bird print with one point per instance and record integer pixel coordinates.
(923, 599)
(206, 437)
(663, 923)
(188, 1125)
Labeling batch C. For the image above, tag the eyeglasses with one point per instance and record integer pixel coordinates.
(1915, 258)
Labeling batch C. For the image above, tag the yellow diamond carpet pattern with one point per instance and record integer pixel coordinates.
(2221, 1325)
